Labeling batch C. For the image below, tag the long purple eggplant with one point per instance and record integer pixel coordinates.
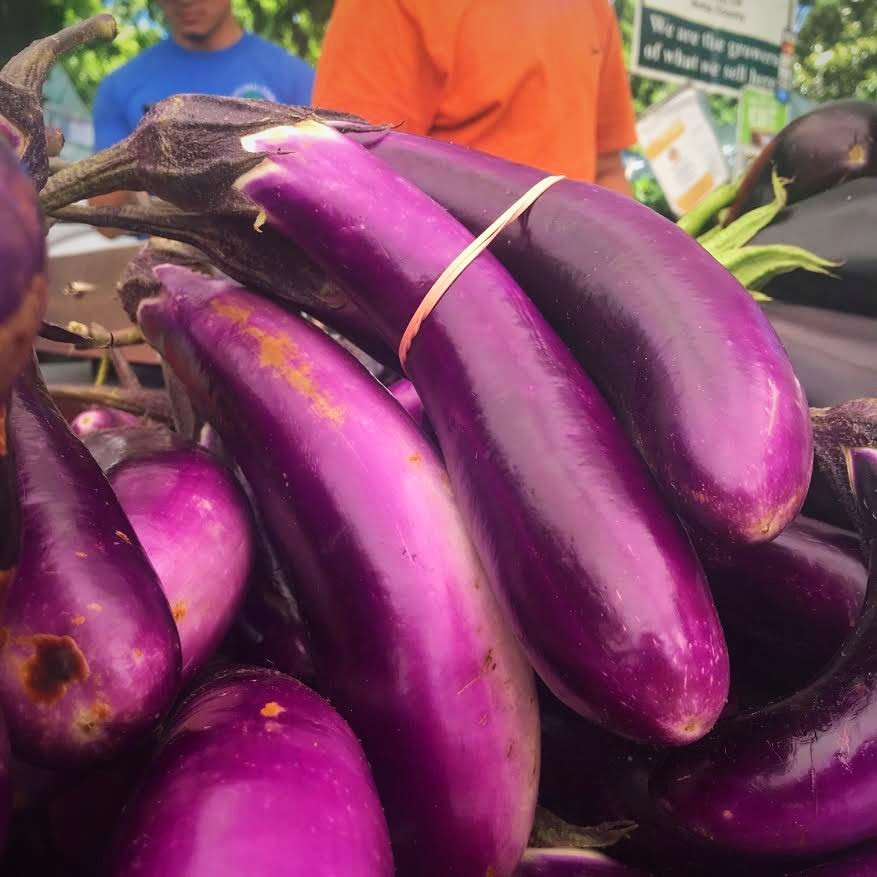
(408, 640)
(90, 657)
(406, 395)
(96, 419)
(799, 776)
(690, 365)
(256, 775)
(594, 572)
(787, 607)
(192, 519)
(561, 862)
(832, 143)
(859, 862)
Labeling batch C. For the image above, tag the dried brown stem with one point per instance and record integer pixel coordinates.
(30, 67)
(150, 403)
(124, 371)
(92, 336)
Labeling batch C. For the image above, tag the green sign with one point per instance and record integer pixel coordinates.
(725, 46)
(760, 116)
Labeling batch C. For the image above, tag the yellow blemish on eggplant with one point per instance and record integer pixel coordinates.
(414, 458)
(279, 354)
(80, 554)
(89, 721)
(261, 219)
(272, 709)
(137, 654)
(857, 154)
(95, 607)
(77, 620)
(179, 611)
(727, 814)
(123, 536)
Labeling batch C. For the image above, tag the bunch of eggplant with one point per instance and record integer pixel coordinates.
(539, 601)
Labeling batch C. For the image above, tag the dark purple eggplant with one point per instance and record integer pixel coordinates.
(859, 862)
(835, 142)
(408, 640)
(258, 775)
(90, 657)
(834, 354)
(669, 336)
(23, 289)
(566, 519)
(5, 780)
(786, 607)
(836, 225)
(799, 776)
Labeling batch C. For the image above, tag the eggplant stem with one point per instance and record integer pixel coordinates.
(58, 164)
(30, 67)
(124, 370)
(150, 403)
(103, 371)
(110, 170)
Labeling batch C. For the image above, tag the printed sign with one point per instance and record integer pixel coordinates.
(723, 44)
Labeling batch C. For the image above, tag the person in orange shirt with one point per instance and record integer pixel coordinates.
(540, 82)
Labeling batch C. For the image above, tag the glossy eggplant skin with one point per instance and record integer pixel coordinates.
(23, 289)
(194, 523)
(799, 776)
(95, 419)
(787, 607)
(689, 364)
(256, 775)
(90, 656)
(408, 640)
(564, 514)
(834, 354)
(562, 862)
(836, 225)
(835, 142)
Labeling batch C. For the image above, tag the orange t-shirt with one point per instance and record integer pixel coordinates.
(540, 82)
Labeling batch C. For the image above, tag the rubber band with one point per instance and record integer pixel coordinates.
(459, 265)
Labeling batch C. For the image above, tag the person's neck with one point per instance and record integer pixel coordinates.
(225, 35)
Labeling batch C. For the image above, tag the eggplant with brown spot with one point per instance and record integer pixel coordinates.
(194, 523)
(90, 659)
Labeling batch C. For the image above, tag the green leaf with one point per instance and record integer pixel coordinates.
(755, 267)
(742, 230)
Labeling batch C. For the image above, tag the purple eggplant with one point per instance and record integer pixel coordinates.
(95, 419)
(834, 354)
(90, 657)
(799, 776)
(594, 571)
(193, 520)
(407, 639)
(835, 225)
(256, 775)
(859, 862)
(562, 862)
(787, 607)
(406, 395)
(668, 335)
(23, 289)
(832, 143)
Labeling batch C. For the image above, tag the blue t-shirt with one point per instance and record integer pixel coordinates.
(252, 67)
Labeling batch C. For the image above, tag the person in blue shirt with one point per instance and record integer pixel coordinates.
(207, 53)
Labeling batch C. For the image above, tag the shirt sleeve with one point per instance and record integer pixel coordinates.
(376, 64)
(616, 128)
(108, 115)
